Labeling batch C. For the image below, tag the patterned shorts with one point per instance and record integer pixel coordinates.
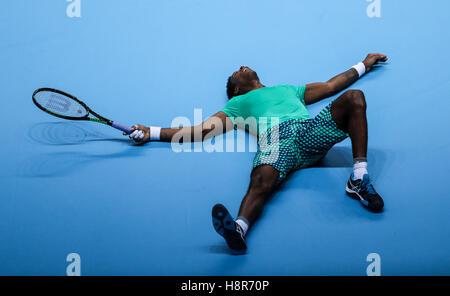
(296, 144)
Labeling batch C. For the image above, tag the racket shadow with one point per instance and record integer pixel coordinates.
(67, 133)
(57, 164)
(61, 164)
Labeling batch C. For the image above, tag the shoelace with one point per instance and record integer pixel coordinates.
(367, 186)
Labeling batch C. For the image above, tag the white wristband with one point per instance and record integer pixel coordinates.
(155, 133)
(361, 68)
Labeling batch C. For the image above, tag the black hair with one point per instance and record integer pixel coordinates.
(231, 85)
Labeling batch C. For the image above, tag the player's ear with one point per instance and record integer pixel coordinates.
(236, 91)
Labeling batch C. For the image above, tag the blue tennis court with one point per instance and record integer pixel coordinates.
(125, 209)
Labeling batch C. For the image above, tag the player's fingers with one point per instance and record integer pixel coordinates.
(137, 135)
(138, 138)
(134, 134)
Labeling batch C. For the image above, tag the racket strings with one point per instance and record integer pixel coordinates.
(60, 104)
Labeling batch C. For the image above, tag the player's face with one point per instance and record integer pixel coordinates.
(245, 76)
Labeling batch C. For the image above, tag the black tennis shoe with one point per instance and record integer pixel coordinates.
(362, 190)
(225, 226)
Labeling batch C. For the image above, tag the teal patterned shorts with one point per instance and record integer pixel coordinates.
(296, 144)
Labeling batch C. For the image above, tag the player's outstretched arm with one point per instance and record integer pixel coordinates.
(217, 124)
(321, 90)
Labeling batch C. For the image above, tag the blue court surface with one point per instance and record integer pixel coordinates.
(80, 187)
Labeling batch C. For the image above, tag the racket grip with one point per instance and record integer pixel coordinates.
(121, 127)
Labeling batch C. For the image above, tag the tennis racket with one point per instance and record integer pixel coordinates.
(66, 106)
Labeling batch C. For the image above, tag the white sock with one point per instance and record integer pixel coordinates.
(359, 170)
(243, 224)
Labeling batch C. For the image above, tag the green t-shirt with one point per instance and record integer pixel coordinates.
(259, 109)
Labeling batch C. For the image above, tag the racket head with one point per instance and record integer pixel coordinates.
(60, 104)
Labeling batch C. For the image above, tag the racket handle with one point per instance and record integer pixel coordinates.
(121, 127)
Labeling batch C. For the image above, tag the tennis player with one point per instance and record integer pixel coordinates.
(296, 141)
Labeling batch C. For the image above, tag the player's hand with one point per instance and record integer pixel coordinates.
(139, 133)
(373, 59)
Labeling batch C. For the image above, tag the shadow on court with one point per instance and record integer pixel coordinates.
(61, 164)
(58, 164)
(337, 157)
(341, 157)
(67, 133)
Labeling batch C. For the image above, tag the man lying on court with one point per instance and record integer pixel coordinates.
(296, 141)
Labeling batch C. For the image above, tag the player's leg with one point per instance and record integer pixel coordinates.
(349, 114)
(277, 156)
(262, 181)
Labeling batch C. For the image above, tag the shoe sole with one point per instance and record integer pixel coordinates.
(224, 225)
